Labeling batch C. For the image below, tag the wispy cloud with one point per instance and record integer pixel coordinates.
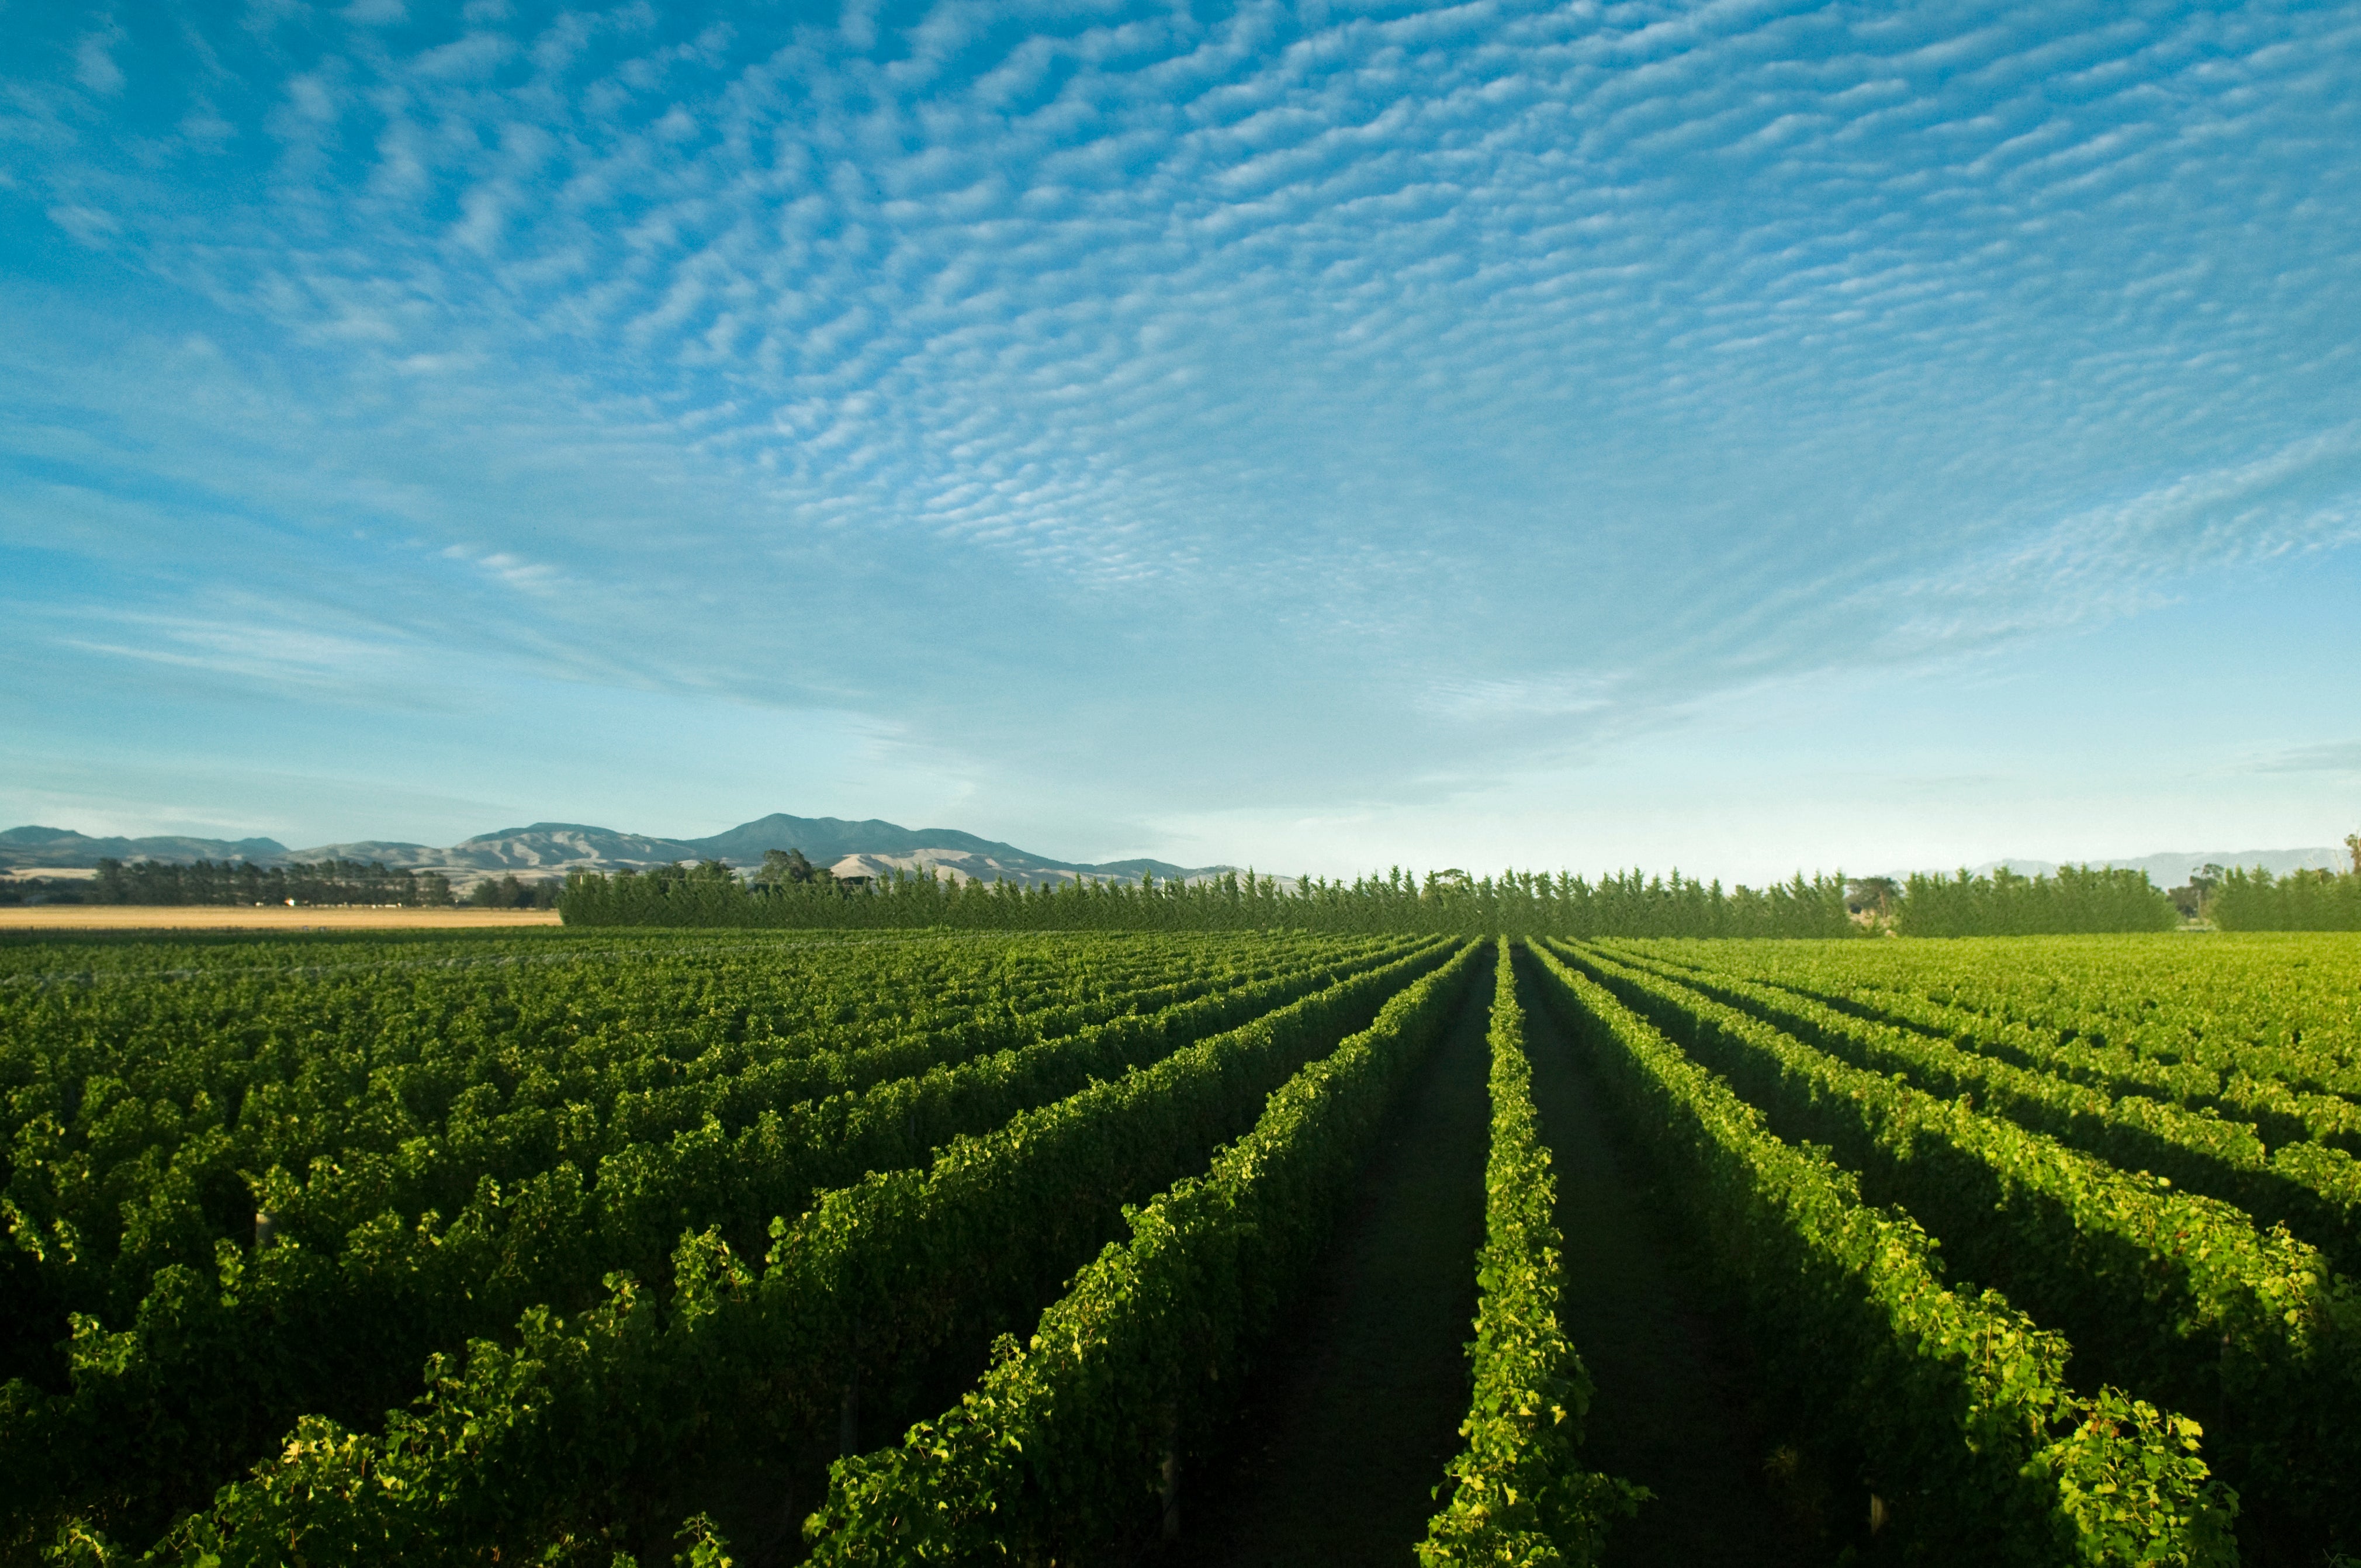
(2129, 555)
(252, 648)
(1313, 370)
(535, 577)
(1538, 697)
(2337, 757)
(94, 65)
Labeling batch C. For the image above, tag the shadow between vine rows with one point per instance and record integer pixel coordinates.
(1355, 1409)
(1678, 1406)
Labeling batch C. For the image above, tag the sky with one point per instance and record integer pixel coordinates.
(1742, 437)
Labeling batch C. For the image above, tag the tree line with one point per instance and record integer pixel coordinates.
(1519, 903)
(1442, 903)
(2243, 900)
(789, 890)
(2009, 904)
(316, 882)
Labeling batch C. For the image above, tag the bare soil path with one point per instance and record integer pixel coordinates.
(1335, 1455)
(1674, 1408)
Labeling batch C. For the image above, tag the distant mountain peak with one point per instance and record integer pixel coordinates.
(2172, 868)
(63, 848)
(869, 846)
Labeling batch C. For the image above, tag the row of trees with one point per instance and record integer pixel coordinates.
(2006, 904)
(2246, 898)
(509, 892)
(1523, 903)
(318, 882)
(311, 883)
(1520, 902)
(789, 890)
(2301, 901)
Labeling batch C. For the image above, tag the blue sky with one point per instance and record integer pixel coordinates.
(1741, 436)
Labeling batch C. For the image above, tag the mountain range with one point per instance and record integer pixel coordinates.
(2172, 870)
(550, 849)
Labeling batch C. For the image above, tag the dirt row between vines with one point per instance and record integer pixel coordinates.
(1335, 1454)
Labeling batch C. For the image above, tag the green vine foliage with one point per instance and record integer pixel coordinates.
(1957, 1408)
(2263, 1030)
(669, 1216)
(584, 1435)
(1065, 1448)
(2244, 1328)
(158, 1095)
(215, 1362)
(1519, 1494)
(2316, 1192)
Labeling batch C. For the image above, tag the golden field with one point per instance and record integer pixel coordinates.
(221, 917)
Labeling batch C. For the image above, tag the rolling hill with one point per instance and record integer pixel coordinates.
(870, 848)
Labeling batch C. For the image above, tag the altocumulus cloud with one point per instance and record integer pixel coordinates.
(1328, 382)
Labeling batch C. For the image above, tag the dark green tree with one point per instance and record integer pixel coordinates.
(783, 868)
(1872, 894)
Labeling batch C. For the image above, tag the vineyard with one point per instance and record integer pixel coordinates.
(890, 1246)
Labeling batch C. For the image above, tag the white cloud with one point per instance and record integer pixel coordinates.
(1395, 369)
(2129, 555)
(88, 226)
(535, 577)
(253, 645)
(94, 65)
(1538, 697)
(2335, 757)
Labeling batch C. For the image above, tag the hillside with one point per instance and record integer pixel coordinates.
(63, 846)
(2171, 868)
(869, 847)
